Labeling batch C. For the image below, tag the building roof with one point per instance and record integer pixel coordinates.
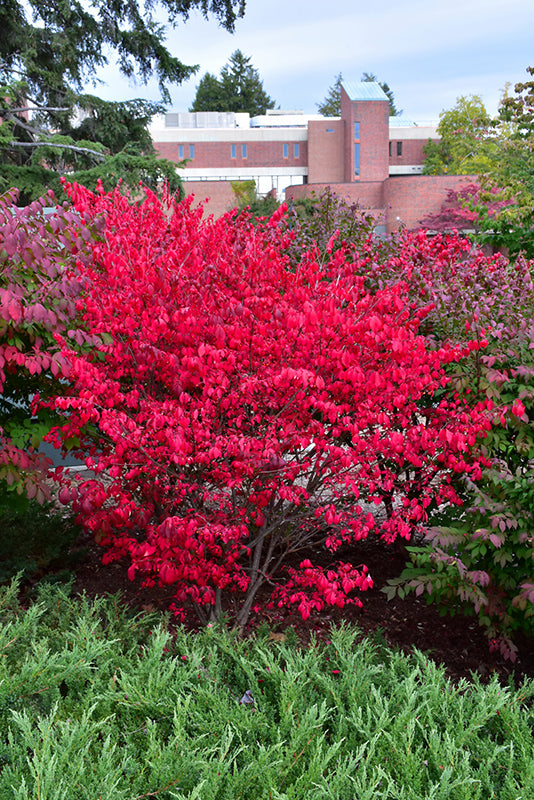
(364, 90)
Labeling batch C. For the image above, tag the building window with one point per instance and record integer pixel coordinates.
(296, 151)
(232, 150)
(357, 158)
(244, 150)
(399, 148)
(286, 151)
(191, 151)
(180, 151)
(356, 131)
(330, 130)
(390, 149)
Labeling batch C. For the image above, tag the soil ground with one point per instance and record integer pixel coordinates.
(456, 642)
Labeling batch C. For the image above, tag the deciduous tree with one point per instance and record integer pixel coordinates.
(465, 210)
(512, 173)
(466, 145)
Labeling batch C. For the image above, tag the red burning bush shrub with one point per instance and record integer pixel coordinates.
(237, 411)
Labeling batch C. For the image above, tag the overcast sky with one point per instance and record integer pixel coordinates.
(428, 52)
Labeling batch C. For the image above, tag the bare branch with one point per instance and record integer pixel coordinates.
(36, 108)
(62, 146)
(24, 125)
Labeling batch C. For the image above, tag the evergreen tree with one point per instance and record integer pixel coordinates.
(238, 88)
(331, 105)
(108, 141)
(48, 53)
(209, 95)
(66, 43)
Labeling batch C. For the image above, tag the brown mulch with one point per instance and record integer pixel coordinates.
(456, 642)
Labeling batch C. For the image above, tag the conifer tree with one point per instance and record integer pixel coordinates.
(331, 105)
(238, 88)
(50, 52)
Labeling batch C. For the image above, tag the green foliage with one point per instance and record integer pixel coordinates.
(131, 170)
(48, 53)
(512, 230)
(115, 125)
(513, 173)
(96, 704)
(208, 96)
(465, 146)
(245, 192)
(238, 88)
(31, 181)
(108, 141)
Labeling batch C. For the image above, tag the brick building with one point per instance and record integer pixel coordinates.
(364, 155)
